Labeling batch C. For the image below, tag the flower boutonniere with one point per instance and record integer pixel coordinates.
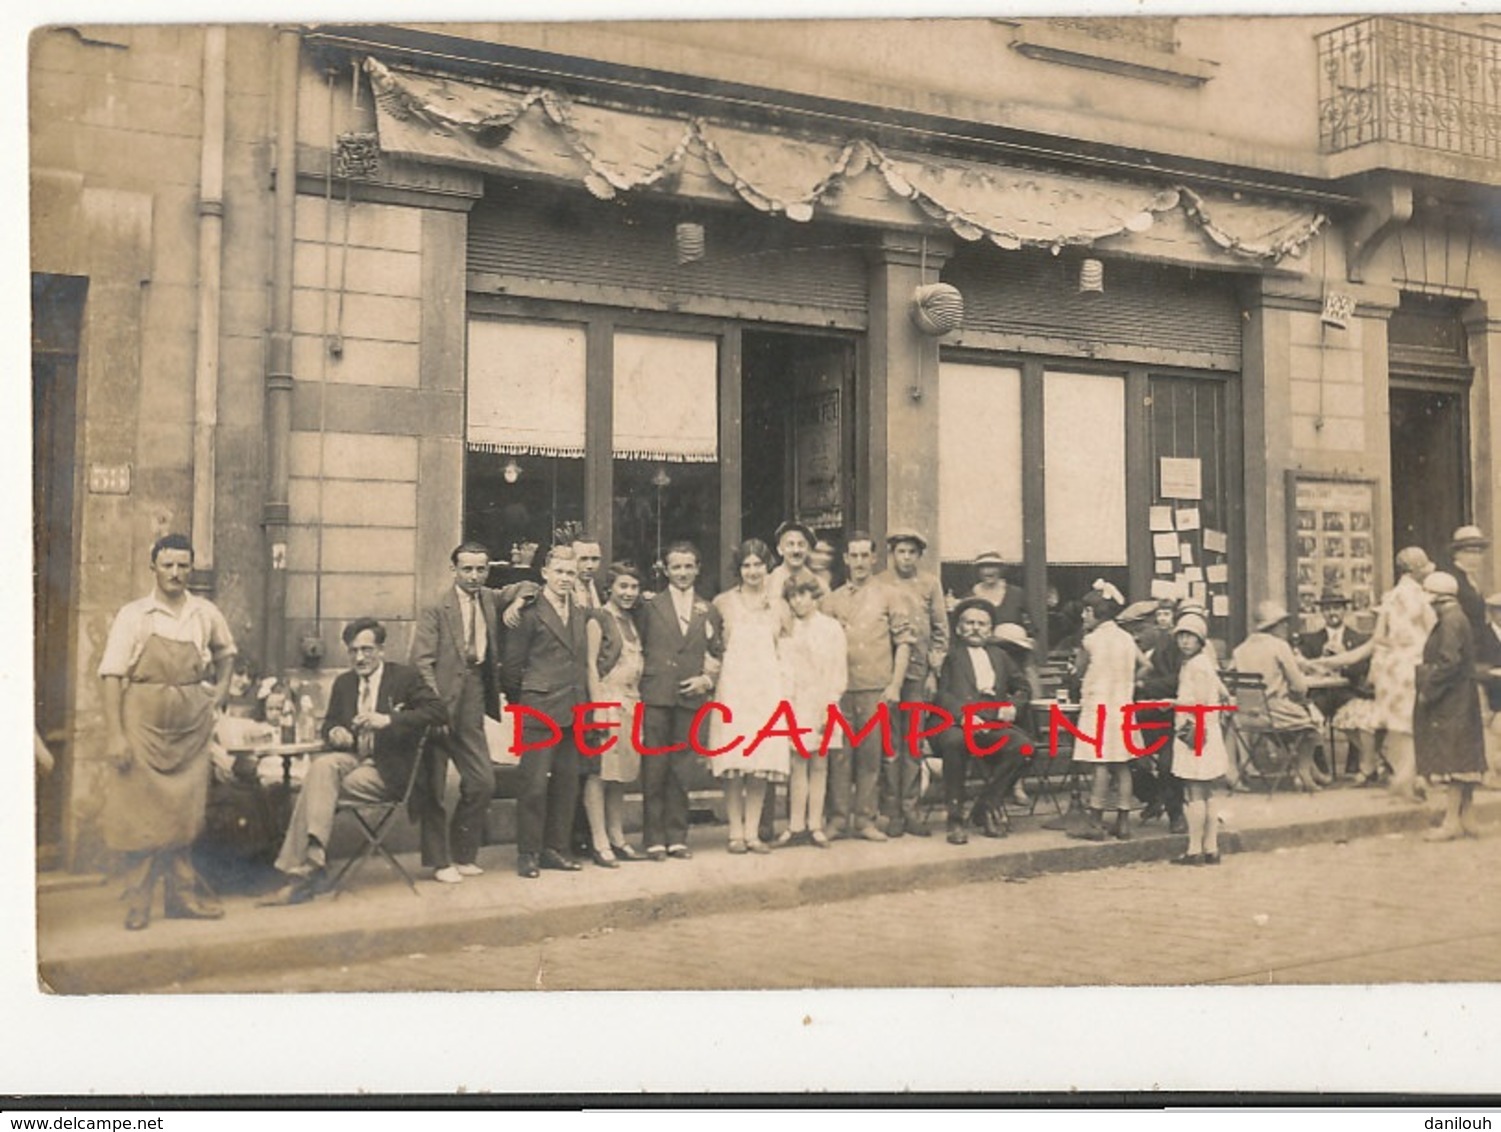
(701, 607)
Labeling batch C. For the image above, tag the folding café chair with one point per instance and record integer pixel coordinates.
(1269, 751)
(374, 820)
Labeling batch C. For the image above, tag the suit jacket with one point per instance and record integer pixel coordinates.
(546, 662)
(412, 705)
(438, 645)
(671, 656)
(1013, 608)
(1312, 645)
(1488, 656)
(958, 686)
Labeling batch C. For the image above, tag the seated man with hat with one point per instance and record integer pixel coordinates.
(1008, 602)
(979, 670)
(1353, 708)
(1266, 653)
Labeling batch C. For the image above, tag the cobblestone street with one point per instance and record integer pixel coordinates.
(1381, 910)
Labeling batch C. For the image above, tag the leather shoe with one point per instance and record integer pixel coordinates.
(1189, 859)
(957, 836)
(627, 853)
(526, 866)
(604, 860)
(552, 859)
(871, 833)
(991, 824)
(297, 891)
(138, 914)
(656, 853)
(680, 853)
(189, 906)
(896, 827)
(916, 828)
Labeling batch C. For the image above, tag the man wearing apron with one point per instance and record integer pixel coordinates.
(161, 654)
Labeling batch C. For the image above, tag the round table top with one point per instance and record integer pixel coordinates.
(277, 748)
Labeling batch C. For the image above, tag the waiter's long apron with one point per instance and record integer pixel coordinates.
(169, 720)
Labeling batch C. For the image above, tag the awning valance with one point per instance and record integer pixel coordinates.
(608, 150)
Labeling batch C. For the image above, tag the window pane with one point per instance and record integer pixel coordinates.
(524, 464)
(1085, 468)
(666, 444)
(526, 388)
(979, 461)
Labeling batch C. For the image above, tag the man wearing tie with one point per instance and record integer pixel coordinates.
(456, 647)
(376, 715)
(546, 670)
(682, 639)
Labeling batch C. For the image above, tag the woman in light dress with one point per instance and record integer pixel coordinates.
(751, 687)
(1396, 649)
(1107, 668)
(614, 677)
(1201, 768)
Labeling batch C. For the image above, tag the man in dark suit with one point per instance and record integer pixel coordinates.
(977, 670)
(1334, 638)
(456, 648)
(546, 670)
(682, 638)
(376, 715)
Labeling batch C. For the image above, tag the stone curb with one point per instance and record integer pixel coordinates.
(158, 968)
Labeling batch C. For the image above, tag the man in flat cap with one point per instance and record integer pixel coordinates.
(929, 618)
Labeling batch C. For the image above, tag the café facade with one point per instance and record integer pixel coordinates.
(374, 289)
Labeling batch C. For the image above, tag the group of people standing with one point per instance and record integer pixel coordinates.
(783, 635)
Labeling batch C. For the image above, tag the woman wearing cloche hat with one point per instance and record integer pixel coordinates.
(1201, 768)
(1447, 729)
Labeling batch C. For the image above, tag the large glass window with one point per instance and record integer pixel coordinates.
(666, 448)
(979, 468)
(524, 465)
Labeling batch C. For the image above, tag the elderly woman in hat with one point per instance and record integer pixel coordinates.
(1267, 653)
(1447, 732)
(1199, 764)
(1395, 649)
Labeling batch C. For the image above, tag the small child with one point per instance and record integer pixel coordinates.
(1202, 772)
(814, 656)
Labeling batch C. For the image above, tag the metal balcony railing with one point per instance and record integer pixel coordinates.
(1385, 78)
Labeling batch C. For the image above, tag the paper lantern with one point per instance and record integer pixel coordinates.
(1091, 277)
(688, 239)
(937, 308)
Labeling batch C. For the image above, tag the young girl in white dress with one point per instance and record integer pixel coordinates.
(1107, 669)
(751, 686)
(1202, 772)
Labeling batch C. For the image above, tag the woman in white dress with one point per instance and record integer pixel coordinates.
(1201, 768)
(751, 687)
(1107, 668)
(614, 678)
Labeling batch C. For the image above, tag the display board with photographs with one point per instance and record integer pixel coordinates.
(1331, 544)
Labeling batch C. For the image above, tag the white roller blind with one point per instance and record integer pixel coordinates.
(666, 398)
(979, 461)
(1085, 468)
(526, 388)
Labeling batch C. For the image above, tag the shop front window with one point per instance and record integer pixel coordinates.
(979, 470)
(1084, 429)
(524, 461)
(666, 450)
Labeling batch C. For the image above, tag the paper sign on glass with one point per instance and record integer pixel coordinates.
(1198, 592)
(1186, 552)
(1219, 573)
(1194, 574)
(1221, 607)
(1164, 566)
(1181, 478)
(1161, 518)
(1188, 518)
(1165, 545)
(1215, 541)
(1162, 588)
